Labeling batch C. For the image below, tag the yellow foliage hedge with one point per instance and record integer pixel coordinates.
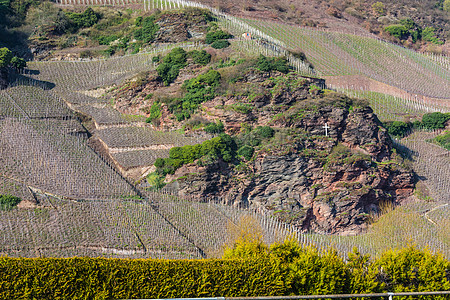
(101, 278)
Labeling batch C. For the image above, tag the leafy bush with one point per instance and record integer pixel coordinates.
(106, 40)
(218, 147)
(267, 64)
(198, 90)
(176, 57)
(148, 30)
(435, 120)
(19, 8)
(155, 113)
(5, 57)
(397, 128)
(264, 132)
(314, 273)
(379, 8)
(444, 140)
(169, 69)
(247, 241)
(8, 202)
(200, 57)
(410, 269)
(446, 5)
(246, 151)
(168, 73)
(18, 63)
(414, 30)
(429, 35)
(254, 137)
(214, 127)
(155, 180)
(216, 35)
(222, 147)
(363, 274)
(85, 19)
(220, 44)
(397, 30)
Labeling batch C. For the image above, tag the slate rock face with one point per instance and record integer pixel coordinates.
(175, 28)
(332, 193)
(327, 184)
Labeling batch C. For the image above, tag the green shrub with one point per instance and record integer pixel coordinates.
(246, 151)
(168, 73)
(414, 30)
(282, 269)
(169, 69)
(5, 57)
(444, 140)
(363, 274)
(220, 44)
(176, 57)
(198, 90)
(410, 269)
(264, 132)
(155, 180)
(8, 202)
(254, 137)
(200, 57)
(110, 51)
(267, 64)
(106, 40)
(85, 19)
(429, 35)
(155, 113)
(446, 5)
(138, 21)
(397, 30)
(222, 147)
(216, 35)
(435, 120)
(214, 127)
(148, 30)
(18, 63)
(379, 8)
(314, 273)
(397, 128)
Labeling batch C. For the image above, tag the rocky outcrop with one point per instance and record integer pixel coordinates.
(180, 27)
(328, 182)
(135, 97)
(317, 183)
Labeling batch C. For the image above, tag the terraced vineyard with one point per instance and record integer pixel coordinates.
(431, 162)
(42, 155)
(336, 54)
(392, 108)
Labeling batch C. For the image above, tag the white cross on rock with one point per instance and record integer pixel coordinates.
(326, 127)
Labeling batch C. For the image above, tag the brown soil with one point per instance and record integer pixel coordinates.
(26, 204)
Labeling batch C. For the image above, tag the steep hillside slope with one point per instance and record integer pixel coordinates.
(353, 17)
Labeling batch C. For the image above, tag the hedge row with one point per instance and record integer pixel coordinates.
(249, 268)
(284, 269)
(101, 278)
